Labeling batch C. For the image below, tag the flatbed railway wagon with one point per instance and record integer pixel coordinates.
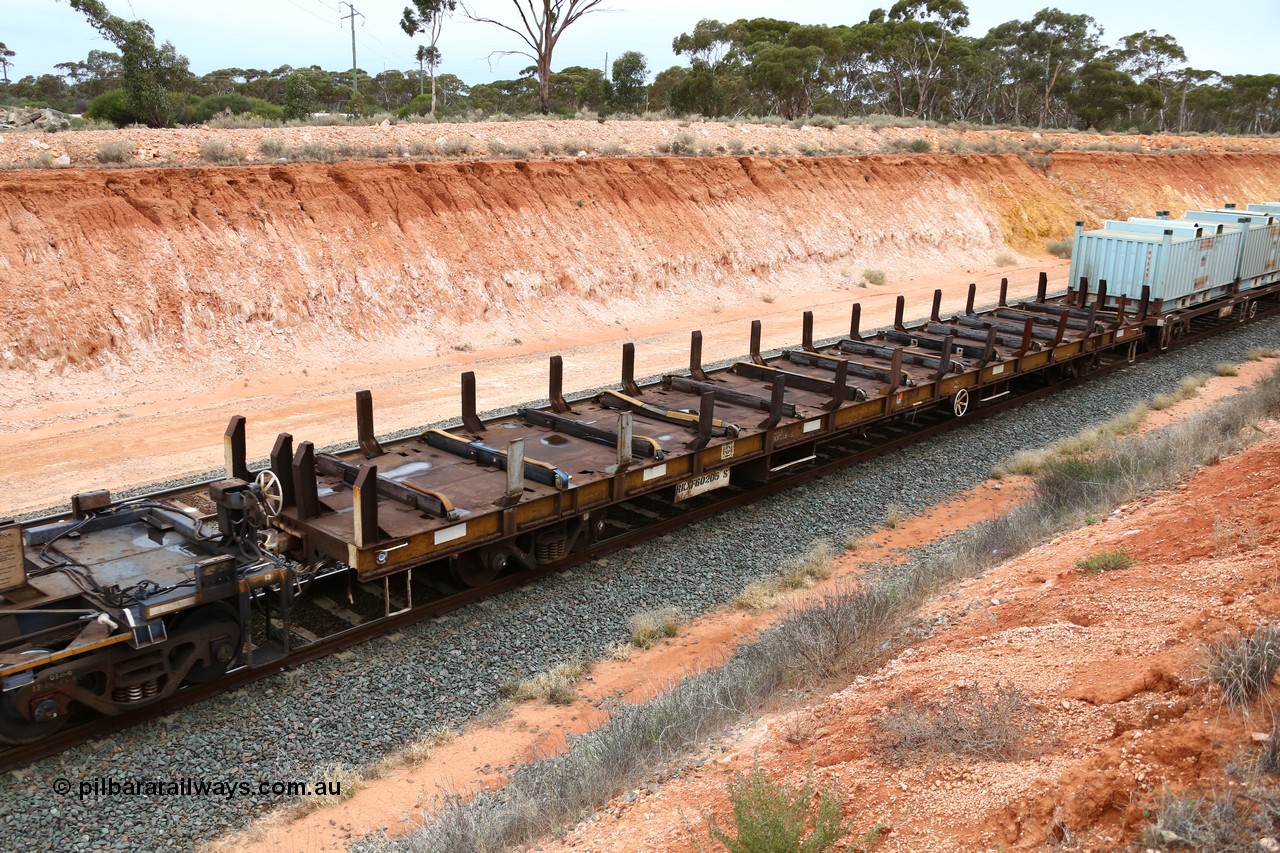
(118, 605)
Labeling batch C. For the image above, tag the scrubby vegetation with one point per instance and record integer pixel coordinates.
(1243, 665)
(1104, 561)
(994, 724)
(847, 633)
(774, 817)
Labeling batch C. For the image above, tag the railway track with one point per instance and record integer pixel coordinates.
(337, 611)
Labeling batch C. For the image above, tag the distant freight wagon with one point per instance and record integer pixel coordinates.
(1183, 262)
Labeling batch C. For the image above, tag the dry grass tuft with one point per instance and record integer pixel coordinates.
(650, 626)
(1244, 665)
(761, 594)
(557, 685)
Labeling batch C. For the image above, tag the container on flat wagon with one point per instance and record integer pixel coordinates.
(1261, 251)
(1182, 267)
(1272, 207)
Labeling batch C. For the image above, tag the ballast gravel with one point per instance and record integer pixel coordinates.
(212, 760)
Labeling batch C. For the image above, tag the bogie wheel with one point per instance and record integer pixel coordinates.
(49, 716)
(478, 568)
(1253, 309)
(217, 626)
(960, 403)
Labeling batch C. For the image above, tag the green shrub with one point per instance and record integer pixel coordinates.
(774, 817)
(115, 151)
(1104, 561)
(875, 277)
(112, 106)
(919, 146)
(1059, 248)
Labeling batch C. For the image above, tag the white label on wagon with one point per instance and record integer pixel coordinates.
(449, 534)
(813, 426)
(169, 606)
(997, 370)
(655, 472)
(705, 483)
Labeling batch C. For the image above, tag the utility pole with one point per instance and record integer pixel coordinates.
(355, 86)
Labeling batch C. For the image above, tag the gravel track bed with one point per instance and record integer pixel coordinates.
(351, 708)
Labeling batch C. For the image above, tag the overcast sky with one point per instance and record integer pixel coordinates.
(1232, 38)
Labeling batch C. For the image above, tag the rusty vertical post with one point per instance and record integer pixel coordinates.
(364, 506)
(305, 491)
(936, 311)
(1097, 304)
(281, 457)
(840, 387)
(1101, 302)
(806, 332)
(470, 419)
(364, 425)
(898, 308)
(1042, 287)
(1004, 293)
(1121, 304)
(895, 373)
(1083, 291)
(706, 419)
(1145, 304)
(944, 361)
(989, 351)
(968, 301)
(556, 381)
(1063, 318)
(695, 357)
(233, 452)
(776, 400)
(855, 320)
(756, 358)
(629, 369)
(1027, 329)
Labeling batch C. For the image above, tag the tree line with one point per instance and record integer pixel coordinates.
(913, 60)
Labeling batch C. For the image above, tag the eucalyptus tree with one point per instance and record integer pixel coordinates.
(1152, 59)
(148, 73)
(541, 24)
(427, 16)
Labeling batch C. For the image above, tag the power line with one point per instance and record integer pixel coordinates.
(314, 15)
(381, 42)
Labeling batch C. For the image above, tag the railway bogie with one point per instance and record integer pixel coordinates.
(120, 605)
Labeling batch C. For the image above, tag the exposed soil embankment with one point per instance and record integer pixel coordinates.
(103, 266)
